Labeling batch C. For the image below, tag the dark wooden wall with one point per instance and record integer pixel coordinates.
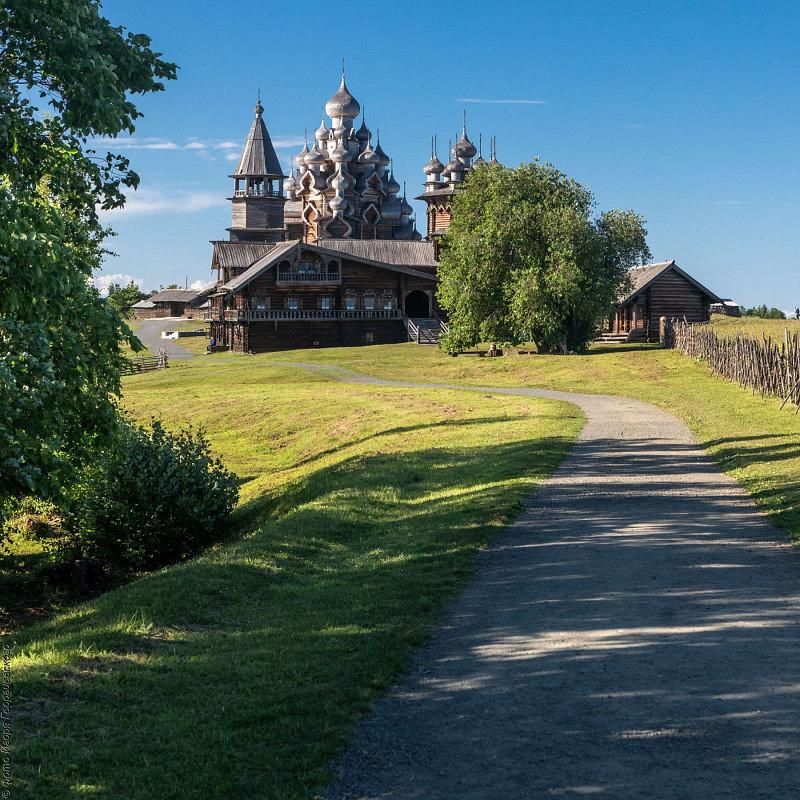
(671, 295)
(267, 335)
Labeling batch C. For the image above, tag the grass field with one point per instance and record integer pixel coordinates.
(238, 674)
(754, 326)
(749, 437)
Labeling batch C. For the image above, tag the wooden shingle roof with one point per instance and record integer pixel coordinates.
(258, 157)
(642, 277)
(238, 255)
(174, 296)
(387, 251)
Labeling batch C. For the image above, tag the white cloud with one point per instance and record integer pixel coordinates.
(288, 141)
(231, 156)
(102, 282)
(227, 145)
(198, 286)
(196, 146)
(519, 102)
(156, 201)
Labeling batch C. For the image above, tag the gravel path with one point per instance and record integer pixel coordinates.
(149, 332)
(635, 634)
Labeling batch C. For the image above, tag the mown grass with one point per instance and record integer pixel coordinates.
(756, 327)
(238, 674)
(750, 438)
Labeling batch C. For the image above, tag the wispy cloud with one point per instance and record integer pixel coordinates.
(199, 146)
(159, 201)
(198, 286)
(232, 156)
(103, 282)
(498, 101)
(282, 142)
(727, 202)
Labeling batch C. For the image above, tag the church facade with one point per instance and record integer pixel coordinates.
(327, 255)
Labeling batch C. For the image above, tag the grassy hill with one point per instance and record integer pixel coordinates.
(239, 673)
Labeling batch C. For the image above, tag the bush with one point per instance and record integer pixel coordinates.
(159, 498)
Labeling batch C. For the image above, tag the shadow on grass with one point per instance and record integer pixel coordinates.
(238, 674)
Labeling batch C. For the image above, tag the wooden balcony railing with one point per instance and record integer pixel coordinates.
(309, 277)
(251, 315)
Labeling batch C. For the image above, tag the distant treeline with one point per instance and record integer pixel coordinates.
(767, 313)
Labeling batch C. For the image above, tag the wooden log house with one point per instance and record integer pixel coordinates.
(347, 292)
(658, 290)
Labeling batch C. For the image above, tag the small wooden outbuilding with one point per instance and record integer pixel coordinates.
(169, 303)
(659, 290)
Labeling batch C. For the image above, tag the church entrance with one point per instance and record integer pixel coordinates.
(417, 304)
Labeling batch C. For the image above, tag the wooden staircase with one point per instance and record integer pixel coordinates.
(427, 330)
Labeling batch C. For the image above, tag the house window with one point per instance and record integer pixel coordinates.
(259, 303)
(389, 302)
(326, 303)
(369, 337)
(293, 303)
(369, 302)
(350, 303)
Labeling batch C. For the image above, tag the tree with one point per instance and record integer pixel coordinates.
(524, 260)
(65, 76)
(124, 297)
(763, 312)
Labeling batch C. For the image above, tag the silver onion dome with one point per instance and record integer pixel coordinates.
(363, 134)
(382, 157)
(433, 167)
(369, 156)
(315, 156)
(343, 104)
(302, 155)
(392, 186)
(465, 148)
(322, 133)
(340, 153)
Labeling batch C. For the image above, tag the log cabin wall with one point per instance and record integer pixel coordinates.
(671, 295)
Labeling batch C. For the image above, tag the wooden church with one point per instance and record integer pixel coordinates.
(327, 255)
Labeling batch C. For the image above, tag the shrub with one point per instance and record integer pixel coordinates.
(158, 498)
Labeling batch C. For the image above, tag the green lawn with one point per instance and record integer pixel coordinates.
(238, 674)
(749, 437)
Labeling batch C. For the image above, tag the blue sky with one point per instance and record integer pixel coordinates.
(686, 112)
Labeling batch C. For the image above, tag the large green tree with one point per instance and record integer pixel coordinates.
(66, 75)
(525, 260)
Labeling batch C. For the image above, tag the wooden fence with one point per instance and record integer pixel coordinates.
(762, 365)
(145, 363)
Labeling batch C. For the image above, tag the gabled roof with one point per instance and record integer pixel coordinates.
(283, 249)
(642, 277)
(261, 265)
(374, 262)
(174, 296)
(387, 251)
(144, 304)
(258, 157)
(238, 255)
